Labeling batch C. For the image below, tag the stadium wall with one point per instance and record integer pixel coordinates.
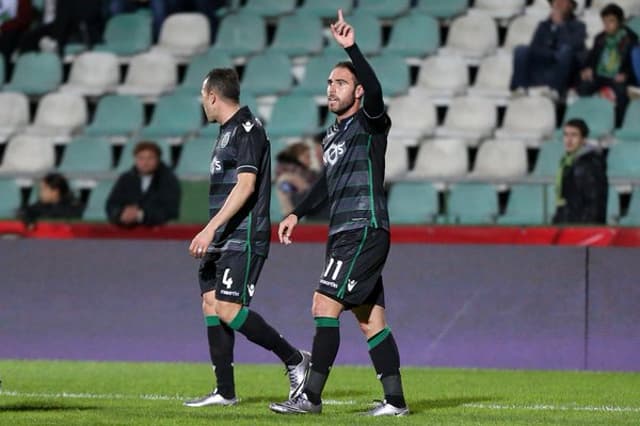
(495, 306)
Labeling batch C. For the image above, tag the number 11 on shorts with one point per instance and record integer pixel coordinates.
(336, 270)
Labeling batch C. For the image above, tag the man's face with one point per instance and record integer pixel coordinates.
(48, 195)
(572, 139)
(341, 91)
(565, 7)
(611, 24)
(207, 102)
(146, 162)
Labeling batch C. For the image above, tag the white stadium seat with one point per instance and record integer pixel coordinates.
(28, 154)
(493, 78)
(530, 119)
(500, 9)
(500, 159)
(473, 36)
(184, 35)
(150, 75)
(397, 161)
(442, 77)
(469, 118)
(520, 31)
(58, 117)
(441, 158)
(413, 118)
(14, 113)
(93, 74)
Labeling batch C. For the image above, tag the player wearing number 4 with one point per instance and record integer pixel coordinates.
(234, 244)
(352, 184)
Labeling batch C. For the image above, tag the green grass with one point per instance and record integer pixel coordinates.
(94, 393)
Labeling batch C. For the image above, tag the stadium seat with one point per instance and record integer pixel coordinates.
(630, 7)
(500, 9)
(85, 155)
(199, 67)
(596, 111)
(634, 24)
(473, 36)
(397, 161)
(549, 156)
(314, 81)
(275, 209)
(469, 118)
(184, 35)
(140, 81)
(383, 8)
(95, 211)
(414, 36)
(530, 119)
(369, 34)
(27, 154)
(613, 206)
(59, 115)
(472, 203)
(93, 74)
(175, 116)
(293, 116)
(117, 116)
(623, 160)
(270, 8)
(126, 34)
(14, 113)
(325, 8)
(441, 159)
(393, 73)
(234, 39)
(298, 35)
(632, 218)
(421, 196)
(520, 31)
(442, 77)
(413, 118)
(35, 74)
(442, 9)
(492, 80)
(630, 130)
(126, 160)
(194, 202)
(279, 79)
(501, 159)
(527, 206)
(593, 22)
(11, 198)
(194, 158)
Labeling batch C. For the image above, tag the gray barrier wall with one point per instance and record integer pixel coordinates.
(470, 306)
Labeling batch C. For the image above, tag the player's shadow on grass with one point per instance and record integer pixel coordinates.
(35, 406)
(338, 394)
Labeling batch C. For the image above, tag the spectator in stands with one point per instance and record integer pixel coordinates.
(554, 53)
(147, 194)
(15, 18)
(581, 183)
(608, 65)
(55, 201)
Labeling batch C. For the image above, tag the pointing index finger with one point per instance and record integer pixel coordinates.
(340, 17)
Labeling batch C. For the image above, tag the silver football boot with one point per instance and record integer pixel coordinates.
(298, 405)
(214, 398)
(297, 374)
(383, 408)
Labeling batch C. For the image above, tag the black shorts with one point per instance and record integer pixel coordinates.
(232, 274)
(353, 267)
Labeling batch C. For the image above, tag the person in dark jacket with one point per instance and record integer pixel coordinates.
(15, 18)
(554, 53)
(55, 201)
(581, 182)
(147, 194)
(608, 64)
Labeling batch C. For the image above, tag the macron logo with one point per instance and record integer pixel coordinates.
(351, 284)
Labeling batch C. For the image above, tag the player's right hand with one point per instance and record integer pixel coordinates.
(286, 228)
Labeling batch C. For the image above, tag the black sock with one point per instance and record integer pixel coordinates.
(325, 348)
(221, 341)
(256, 329)
(386, 360)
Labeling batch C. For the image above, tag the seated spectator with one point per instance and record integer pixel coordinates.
(148, 194)
(15, 18)
(55, 201)
(608, 65)
(553, 55)
(581, 183)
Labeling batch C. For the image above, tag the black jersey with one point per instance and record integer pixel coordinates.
(242, 146)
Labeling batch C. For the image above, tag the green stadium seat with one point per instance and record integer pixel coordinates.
(623, 160)
(632, 218)
(10, 199)
(194, 158)
(175, 116)
(596, 111)
(270, 8)
(393, 73)
(413, 203)
(549, 157)
(442, 9)
(95, 210)
(194, 202)
(613, 206)
(472, 203)
(384, 8)
(415, 35)
(275, 210)
(325, 8)
(293, 116)
(634, 24)
(369, 34)
(117, 116)
(126, 34)
(86, 155)
(527, 206)
(234, 39)
(630, 130)
(36, 74)
(316, 72)
(126, 157)
(200, 66)
(278, 80)
(298, 35)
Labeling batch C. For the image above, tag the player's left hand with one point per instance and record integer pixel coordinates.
(201, 242)
(342, 32)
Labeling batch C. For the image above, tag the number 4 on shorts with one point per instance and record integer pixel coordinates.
(226, 278)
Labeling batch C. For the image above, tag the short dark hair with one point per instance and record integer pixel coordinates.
(58, 182)
(147, 146)
(613, 9)
(578, 123)
(348, 65)
(225, 81)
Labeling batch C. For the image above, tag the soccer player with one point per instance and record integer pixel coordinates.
(352, 184)
(234, 244)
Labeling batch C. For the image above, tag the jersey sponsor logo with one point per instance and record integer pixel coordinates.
(251, 289)
(351, 284)
(225, 140)
(248, 125)
(216, 165)
(334, 152)
(329, 283)
(230, 293)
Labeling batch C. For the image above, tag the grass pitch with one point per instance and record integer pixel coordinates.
(113, 393)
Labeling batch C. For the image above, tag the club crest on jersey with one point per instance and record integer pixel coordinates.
(334, 152)
(248, 125)
(225, 140)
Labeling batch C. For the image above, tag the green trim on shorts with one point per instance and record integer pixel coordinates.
(378, 338)
(239, 319)
(327, 322)
(343, 286)
(247, 268)
(212, 320)
(374, 221)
